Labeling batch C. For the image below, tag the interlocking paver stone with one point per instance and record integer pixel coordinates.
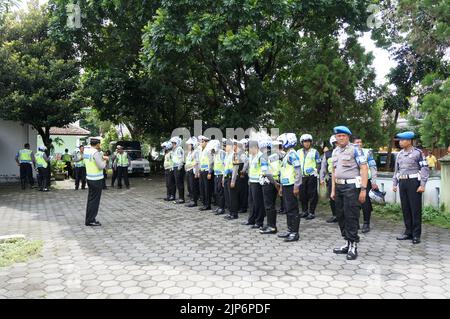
(149, 248)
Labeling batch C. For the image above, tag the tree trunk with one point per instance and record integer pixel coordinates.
(392, 140)
(44, 132)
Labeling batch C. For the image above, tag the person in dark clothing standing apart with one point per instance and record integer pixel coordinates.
(67, 159)
(80, 168)
(95, 163)
(411, 175)
(25, 159)
(122, 161)
(350, 174)
(326, 170)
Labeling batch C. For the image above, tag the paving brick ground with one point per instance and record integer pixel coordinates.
(148, 248)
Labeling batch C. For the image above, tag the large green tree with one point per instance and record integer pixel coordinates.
(234, 56)
(38, 81)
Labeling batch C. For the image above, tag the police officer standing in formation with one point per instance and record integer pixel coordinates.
(95, 163)
(326, 170)
(256, 200)
(42, 168)
(122, 162)
(67, 159)
(290, 180)
(371, 183)
(206, 173)
(243, 178)
(178, 167)
(411, 175)
(310, 162)
(80, 168)
(192, 168)
(349, 177)
(25, 159)
(270, 171)
(230, 175)
(168, 171)
(219, 160)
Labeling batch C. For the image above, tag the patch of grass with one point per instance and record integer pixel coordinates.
(18, 250)
(430, 215)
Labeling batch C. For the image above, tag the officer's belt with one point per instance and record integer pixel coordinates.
(408, 176)
(345, 181)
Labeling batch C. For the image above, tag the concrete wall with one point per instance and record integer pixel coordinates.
(69, 141)
(13, 136)
(431, 197)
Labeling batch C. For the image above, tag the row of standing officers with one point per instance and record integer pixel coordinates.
(241, 175)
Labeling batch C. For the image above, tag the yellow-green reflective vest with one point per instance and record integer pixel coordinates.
(190, 161)
(274, 166)
(25, 156)
(122, 159)
(168, 164)
(40, 161)
(330, 164)
(204, 161)
(254, 171)
(308, 161)
(66, 158)
(287, 171)
(228, 164)
(93, 173)
(177, 159)
(219, 166)
(366, 154)
(79, 163)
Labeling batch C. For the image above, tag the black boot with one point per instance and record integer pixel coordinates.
(268, 230)
(365, 228)
(352, 251)
(292, 237)
(193, 204)
(343, 249)
(310, 216)
(304, 215)
(332, 219)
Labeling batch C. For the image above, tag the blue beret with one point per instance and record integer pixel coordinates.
(342, 129)
(406, 135)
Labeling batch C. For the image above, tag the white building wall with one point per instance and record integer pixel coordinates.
(13, 136)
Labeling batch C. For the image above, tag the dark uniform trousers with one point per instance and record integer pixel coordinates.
(170, 183)
(42, 177)
(80, 176)
(232, 196)
(193, 185)
(93, 202)
(367, 206)
(114, 176)
(122, 172)
(270, 197)
(26, 174)
(290, 203)
(244, 194)
(332, 202)
(411, 202)
(257, 210)
(179, 181)
(69, 169)
(205, 188)
(347, 211)
(308, 194)
(219, 191)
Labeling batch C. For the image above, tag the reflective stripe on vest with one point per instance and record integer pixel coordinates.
(40, 161)
(228, 163)
(308, 161)
(66, 158)
(254, 172)
(168, 164)
(93, 173)
(122, 159)
(366, 154)
(25, 156)
(219, 166)
(190, 161)
(204, 161)
(274, 168)
(287, 171)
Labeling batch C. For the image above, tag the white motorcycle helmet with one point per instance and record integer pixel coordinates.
(176, 140)
(287, 140)
(377, 196)
(332, 140)
(306, 137)
(192, 141)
